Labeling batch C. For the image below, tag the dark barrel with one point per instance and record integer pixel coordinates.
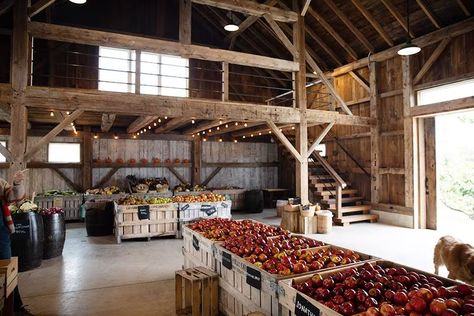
(54, 235)
(254, 201)
(27, 241)
(100, 221)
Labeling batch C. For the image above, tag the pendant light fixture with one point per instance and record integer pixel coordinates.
(408, 48)
(232, 24)
(78, 1)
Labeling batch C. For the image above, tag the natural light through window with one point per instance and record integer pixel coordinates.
(159, 74)
(64, 152)
(2, 157)
(447, 92)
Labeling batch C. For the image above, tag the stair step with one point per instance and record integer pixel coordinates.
(329, 186)
(320, 177)
(346, 220)
(344, 200)
(350, 209)
(344, 192)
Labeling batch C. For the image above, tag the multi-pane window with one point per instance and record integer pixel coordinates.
(64, 152)
(159, 74)
(447, 92)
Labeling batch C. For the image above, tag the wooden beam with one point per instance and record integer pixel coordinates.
(428, 13)
(107, 177)
(196, 149)
(6, 153)
(442, 107)
(350, 25)
(177, 175)
(107, 122)
(281, 35)
(211, 176)
(333, 33)
(172, 124)
(328, 84)
(264, 129)
(431, 60)
(360, 80)
(39, 6)
(125, 103)
(240, 164)
(252, 8)
(373, 21)
(5, 5)
(87, 158)
(76, 187)
(204, 126)
(319, 139)
(463, 8)
(305, 7)
(53, 133)
(374, 135)
(408, 103)
(394, 12)
(232, 128)
(225, 81)
(324, 46)
(454, 30)
(141, 122)
(276, 131)
(100, 38)
(185, 8)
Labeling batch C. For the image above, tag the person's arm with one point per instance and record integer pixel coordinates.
(16, 192)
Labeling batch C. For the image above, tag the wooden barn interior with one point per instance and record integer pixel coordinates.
(345, 122)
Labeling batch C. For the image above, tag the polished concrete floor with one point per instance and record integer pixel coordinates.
(96, 276)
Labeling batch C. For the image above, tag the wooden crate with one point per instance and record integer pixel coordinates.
(163, 221)
(70, 204)
(266, 292)
(192, 211)
(200, 248)
(289, 295)
(237, 196)
(9, 268)
(196, 292)
(176, 193)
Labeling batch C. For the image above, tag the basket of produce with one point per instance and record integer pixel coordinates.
(141, 188)
(307, 210)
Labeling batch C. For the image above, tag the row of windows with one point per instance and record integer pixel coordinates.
(58, 152)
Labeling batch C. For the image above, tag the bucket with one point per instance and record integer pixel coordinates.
(54, 235)
(307, 210)
(27, 241)
(254, 201)
(290, 218)
(324, 222)
(280, 204)
(100, 221)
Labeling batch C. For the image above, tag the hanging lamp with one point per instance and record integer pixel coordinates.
(231, 26)
(408, 48)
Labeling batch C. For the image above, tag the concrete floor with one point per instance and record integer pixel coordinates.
(95, 276)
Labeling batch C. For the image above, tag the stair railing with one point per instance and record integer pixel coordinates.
(340, 183)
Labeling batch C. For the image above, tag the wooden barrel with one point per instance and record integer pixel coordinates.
(100, 221)
(54, 235)
(27, 241)
(308, 224)
(280, 205)
(253, 201)
(324, 222)
(290, 218)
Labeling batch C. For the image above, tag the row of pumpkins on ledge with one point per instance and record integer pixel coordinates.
(143, 161)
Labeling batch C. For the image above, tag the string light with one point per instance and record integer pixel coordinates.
(134, 136)
(166, 117)
(154, 124)
(269, 132)
(236, 123)
(235, 140)
(51, 113)
(192, 135)
(218, 128)
(116, 137)
(67, 112)
(138, 134)
(245, 124)
(149, 127)
(204, 139)
(220, 140)
(159, 120)
(251, 135)
(259, 134)
(141, 132)
(204, 132)
(220, 121)
(210, 130)
(96, 136)
(198, 133)
(292, 127)
(227, 125)
(243, 137)
(72, 124)
(192, 122)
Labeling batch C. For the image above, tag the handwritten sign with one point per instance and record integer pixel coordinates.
(22, 229)
(304, 308)
(195, 243)
(254, 278)
(143, 212)
(227, 260)
(208, 209)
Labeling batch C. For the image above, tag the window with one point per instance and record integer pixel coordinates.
(64, 152)
(159, 74)
(321, 148)
(447, 92)
(2, 157)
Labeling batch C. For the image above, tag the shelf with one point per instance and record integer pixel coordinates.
(140, 165)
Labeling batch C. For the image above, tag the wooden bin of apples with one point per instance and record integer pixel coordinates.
(376, 288)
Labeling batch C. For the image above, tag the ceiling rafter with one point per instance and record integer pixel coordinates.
(324, 46)
(368, 16)
(429, 13)
(397, 15)
(204, 125)
(350, 25)
(463, 8)
(281, 35)
(39, 6)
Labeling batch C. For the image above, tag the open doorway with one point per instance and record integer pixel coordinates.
(454, 139)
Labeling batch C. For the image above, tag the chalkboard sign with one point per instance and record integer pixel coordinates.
(304, 308)
(227, 260)
(224, 205)
(143, 212)
(22, 229)
(195, 243)
(185, 207)
(208, 209)
(254, 278)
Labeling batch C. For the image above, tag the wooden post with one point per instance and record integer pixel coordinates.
(19, 80)
(138, 65)
(87, 158)
(197, 160)
(339, 202)
(301, 102)
(225, 81)
(185, 21)
(408, 103)
(374, 135)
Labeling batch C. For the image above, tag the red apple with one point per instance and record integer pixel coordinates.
(317, 280)
(453, 304)
(347, 308)
(418, 304)
(371, 302)
(464, 289)
(315, 265)
(262, 257)
(426, 294)
(373, 311)
(400, 298)
(449, 312)
(361, 295)
(374, 292)
(328, 283)
(349, 294)
(350, 282)
(389, 295)
(387, 309)
(321, 293)
(468, 308)
(438, 306)
(338, 299)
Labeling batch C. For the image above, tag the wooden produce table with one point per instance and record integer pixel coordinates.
(71, 204)
(237, 196)
(270, 196)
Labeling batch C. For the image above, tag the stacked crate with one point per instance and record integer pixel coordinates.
(71, 204)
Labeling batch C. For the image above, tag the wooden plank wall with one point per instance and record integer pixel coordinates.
(248, 178)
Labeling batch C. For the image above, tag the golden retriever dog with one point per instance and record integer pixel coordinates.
(458, 258)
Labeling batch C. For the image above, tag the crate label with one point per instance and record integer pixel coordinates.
(22, 229)
(143, 212)
(57, 202)
(227, 260)
(195, 243)
(185, 207)
(304, 308)
(208, 209)
(225, 205)
(254, 278)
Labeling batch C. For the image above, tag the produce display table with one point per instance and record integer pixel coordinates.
(71, 204)
(237, 196)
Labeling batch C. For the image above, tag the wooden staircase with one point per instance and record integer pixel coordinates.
(336, 195)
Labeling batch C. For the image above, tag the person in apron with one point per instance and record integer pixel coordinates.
(11, 194)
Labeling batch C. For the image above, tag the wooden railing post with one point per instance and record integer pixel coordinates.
(339, 201)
